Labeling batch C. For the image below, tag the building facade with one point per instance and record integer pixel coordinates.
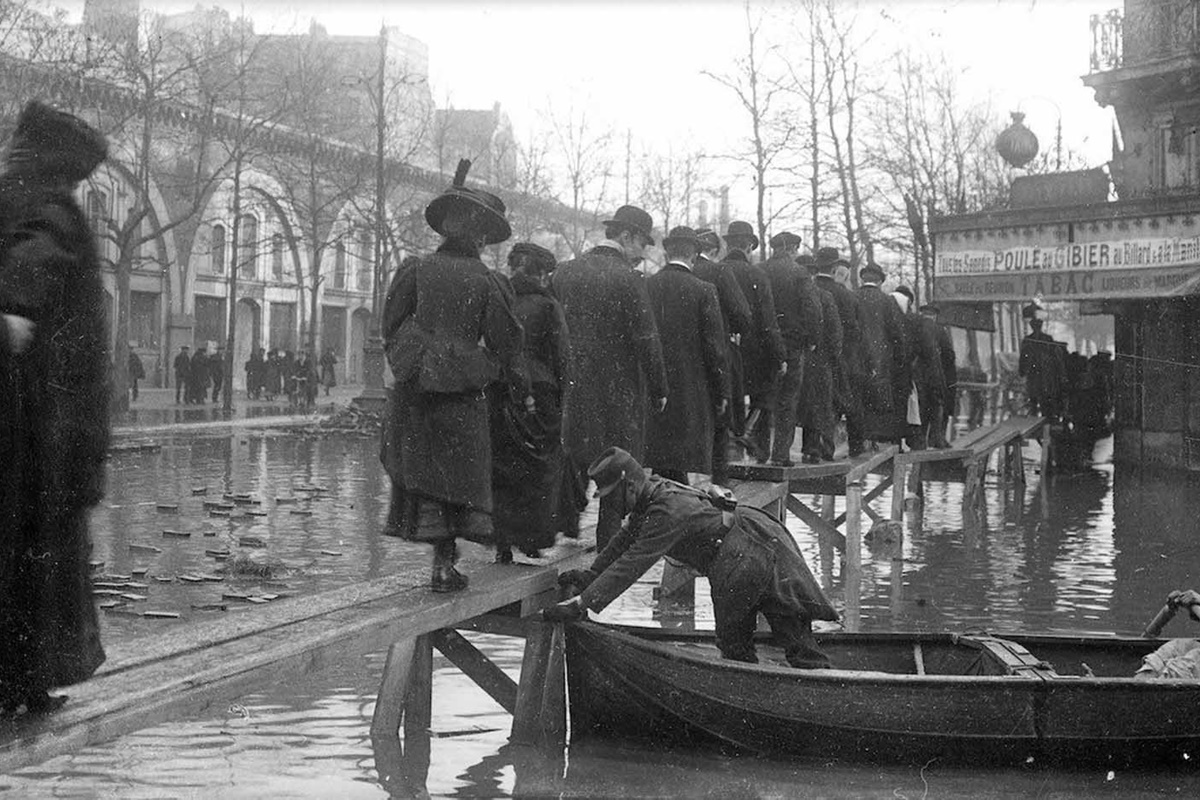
(1137, 257)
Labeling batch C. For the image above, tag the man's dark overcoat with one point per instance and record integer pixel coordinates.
(735, 309)
(762, 346)
(817, 397)
(694, 343)
(1042, 364)
(885, 359)
(527, 457)
(449, 331)
(616, 355)
(199, 375)
(54, 434)
(848, 366)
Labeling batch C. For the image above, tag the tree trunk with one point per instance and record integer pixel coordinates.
(120, 373)
(235, 266)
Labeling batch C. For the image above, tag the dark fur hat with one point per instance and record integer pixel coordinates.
(55, 144)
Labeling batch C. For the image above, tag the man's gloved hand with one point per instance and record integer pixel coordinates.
(1187, 599)
(580, 579)
(567, 611)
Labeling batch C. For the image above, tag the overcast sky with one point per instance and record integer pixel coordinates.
(639, 64)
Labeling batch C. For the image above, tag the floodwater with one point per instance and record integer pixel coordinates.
(1094, 550)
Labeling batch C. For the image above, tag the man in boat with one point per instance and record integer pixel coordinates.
(751, 561)
(1178, 658)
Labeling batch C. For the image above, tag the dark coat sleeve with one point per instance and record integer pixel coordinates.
(400, 302)
(811, 314)
(560, 345)
(628, 556)
(894, 328)
(929, 355)
(645, 336)
(770, 333)
(31, 276)
(734, 304)
(834, 336)
(946, 351)
(715, 351)
(503, 334)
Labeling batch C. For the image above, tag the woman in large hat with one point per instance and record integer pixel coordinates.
(449, 329)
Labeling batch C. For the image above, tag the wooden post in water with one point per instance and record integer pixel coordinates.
(540, 718)
(853, 556)
(898, 469)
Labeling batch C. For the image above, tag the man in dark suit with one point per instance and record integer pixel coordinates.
(1041, 364)
(821, 375)
(617, 371)
(182, 365)
(688, 315)
(848, 366)
(761, 348)
(798, 311)
(735, 313)
(938, 402)
(885, 357)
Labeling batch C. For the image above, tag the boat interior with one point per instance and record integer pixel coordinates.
(971, 654)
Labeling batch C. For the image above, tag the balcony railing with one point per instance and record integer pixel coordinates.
(1147, 31)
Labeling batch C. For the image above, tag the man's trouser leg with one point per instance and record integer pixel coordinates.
(787, 399)
(735, 624)
(794, 634)
(720, 454)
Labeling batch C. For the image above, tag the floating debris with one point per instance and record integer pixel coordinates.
(136, 585)
(147, 548)
(210, 607)
(111, 604)
(330, 553)
(218, 553)
(251, 541)
(112, 577)
(234, 596)
(252, 513)
(107, 592)
(104, 585)
(256, 600)
(133, 598)
(191, 579)
(199, 490)
(160, 614)
(209, 577)
(177, 534)
(139, 570)
(96, 564)
(300, 512)
(218, 513)
(273, 596)
(214, 504)
(286, 499)
(135, 446)
(165, 578)
(210, 533)
(166, 506)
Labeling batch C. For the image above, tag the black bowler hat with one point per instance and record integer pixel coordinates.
(634, 219)
(460, 196)
(807, 261)
(55, 144)
(543, 259)
(829, 257)
(1032, 311)
(708, 239)
(737, 229)
(682, 234)
(784, 240)
(904, 290)
(871, 268)
(613, 466)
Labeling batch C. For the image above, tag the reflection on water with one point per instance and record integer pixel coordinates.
(1090, 551)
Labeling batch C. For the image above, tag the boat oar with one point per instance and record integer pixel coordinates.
(1165, 615)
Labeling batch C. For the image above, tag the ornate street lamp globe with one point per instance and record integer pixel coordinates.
(1016, 144)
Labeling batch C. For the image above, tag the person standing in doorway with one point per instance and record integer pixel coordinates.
(199, 376)
(136, 373)
(328, 373)
(183, 369)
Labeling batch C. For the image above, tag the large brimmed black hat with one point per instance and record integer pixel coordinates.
(739, 229)
(543, 259)
(489, 209)
(682, 234)
(634, 219)
(828, 258)
(55, 144)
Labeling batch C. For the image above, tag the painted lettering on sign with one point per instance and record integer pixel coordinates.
(1085, 255)
(1070, 284)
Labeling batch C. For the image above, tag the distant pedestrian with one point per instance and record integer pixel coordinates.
(688, 313)
(1041, 364)
(848, 366)
(136, 373)
(199, 376)
(617, 371)
(54, 410)
(255, 367)
(287, 374)
(183, 369)
(306, 380)
(216, 370)
(449, 331)
(328, 373)
(274, 375)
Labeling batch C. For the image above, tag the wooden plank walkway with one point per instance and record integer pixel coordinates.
(191, 669)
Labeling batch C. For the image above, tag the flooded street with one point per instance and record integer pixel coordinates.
(1094, 551)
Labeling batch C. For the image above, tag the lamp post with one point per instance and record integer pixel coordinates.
(373, 396)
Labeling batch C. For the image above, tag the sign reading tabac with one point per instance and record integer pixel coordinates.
(1078, 271)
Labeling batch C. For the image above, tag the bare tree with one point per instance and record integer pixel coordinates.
(582, 150)
(755, 81)
(668, 182)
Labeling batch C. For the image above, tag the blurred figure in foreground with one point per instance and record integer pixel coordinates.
(54, 415)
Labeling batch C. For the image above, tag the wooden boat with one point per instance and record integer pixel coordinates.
(906, 697)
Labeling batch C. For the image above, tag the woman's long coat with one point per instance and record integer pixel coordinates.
(54, 434)
(449, 329)
(527, 457)
(616, 355)
(688, 313)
